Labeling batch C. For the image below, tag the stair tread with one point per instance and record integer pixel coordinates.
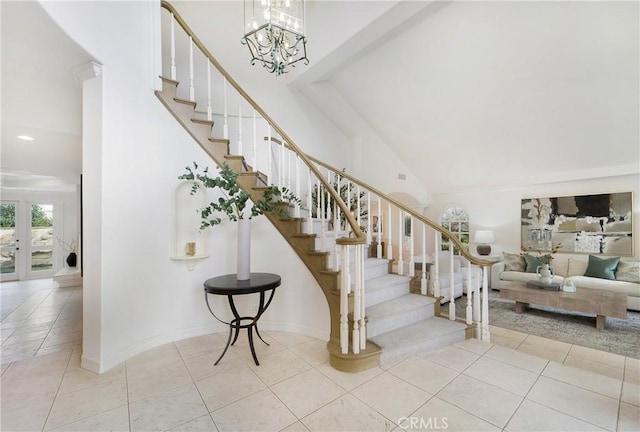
(385, 281)
(430, 328)
(398, 305)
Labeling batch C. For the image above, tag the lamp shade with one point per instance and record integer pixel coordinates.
(484, 237)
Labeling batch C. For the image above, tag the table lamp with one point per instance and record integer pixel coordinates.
(483, 239)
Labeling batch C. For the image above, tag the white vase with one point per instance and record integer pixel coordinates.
(545, 273)
(244, 250)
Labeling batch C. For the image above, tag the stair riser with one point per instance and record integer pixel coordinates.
(385, 294)
(401, 319)
(390, 356)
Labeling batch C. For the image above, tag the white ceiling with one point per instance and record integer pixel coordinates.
(41, 99)
(469, 95)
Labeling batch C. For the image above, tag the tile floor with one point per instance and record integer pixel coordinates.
(517, 383)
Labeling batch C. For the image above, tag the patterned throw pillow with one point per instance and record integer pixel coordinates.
(628, 271)
(513, 262)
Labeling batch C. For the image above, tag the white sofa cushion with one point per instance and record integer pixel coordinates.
(629, 288)
(560, 265)
(524, 277)
(628, 271)
(577, 267)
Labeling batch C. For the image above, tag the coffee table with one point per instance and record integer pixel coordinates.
(600, 303)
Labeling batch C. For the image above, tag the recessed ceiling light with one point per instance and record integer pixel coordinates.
(25, 137)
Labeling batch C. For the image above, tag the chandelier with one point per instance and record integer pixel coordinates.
(274, 33)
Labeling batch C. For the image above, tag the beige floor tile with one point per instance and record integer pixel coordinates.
(279, 366)
(595, 366)
(427, 375)
(155, 358)
(296, 427)
(26, 417)
(453, 357)
(4, 368)
(587, 380)
(502, 375)
(348, 380)
(440, 415)
(30, 336)
(575, 401)
(605, 357)
(261, 411)
(545, 348)
(632, 370)
(474, 345)
(77, 378)
(505, 341)
(506, 338)
(71, 407)
(629, 420)
(631, 393)
(145, 384)
(66, 348)
(307, 391)
(533, 417)
(347, 414)
(200, 345)
(314, 352)
(116, 420)
(201, 424)
(391, 396)
(167, 410)
(243, 351)
(42, 374)
(225, 388)
(519, 359)
(483, 400)
(204, 365)
(290, 340)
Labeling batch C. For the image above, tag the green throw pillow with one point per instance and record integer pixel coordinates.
(513, 262)
(533, 262)
(603, 268)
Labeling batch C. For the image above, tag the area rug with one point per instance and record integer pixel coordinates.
(621, 336)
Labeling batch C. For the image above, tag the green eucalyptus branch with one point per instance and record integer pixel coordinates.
(234, 201)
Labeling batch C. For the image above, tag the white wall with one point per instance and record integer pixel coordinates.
(499, 209)
(143, 297)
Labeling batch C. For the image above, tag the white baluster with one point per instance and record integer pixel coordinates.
(452, 301)
(485, 304)
(209, 109)
(255, 143)
(368, 218)
(281, 166)
(297, 160)
(423, 281)
(412, 265)
(192, 91)
(379, 230)
(389, 240)
(309, 203)
(336, 221)
(470, 298)
(289, 169)
(356, 303)
(358, 205)
(225, 127)
(476, 302)
(344, 309)
(400, 241)
(173, 49)
(363, 323)
(269, 163)
(240, 127)
(436, 267)
(347, 225)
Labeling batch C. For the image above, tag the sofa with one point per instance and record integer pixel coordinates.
(620, 275)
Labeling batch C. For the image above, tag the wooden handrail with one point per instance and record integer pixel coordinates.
(360, 237)
(473, 259)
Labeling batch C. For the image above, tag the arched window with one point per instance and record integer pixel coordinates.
(455, 220)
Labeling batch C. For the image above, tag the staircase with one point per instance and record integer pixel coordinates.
(375, 318)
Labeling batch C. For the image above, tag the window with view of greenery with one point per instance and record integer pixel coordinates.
(455, 220)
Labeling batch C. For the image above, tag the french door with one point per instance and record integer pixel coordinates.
(9, 240)
(28, 240)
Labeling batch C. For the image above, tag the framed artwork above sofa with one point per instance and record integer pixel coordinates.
(589, 224)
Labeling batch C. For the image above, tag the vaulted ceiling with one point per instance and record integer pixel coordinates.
(468, 95)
